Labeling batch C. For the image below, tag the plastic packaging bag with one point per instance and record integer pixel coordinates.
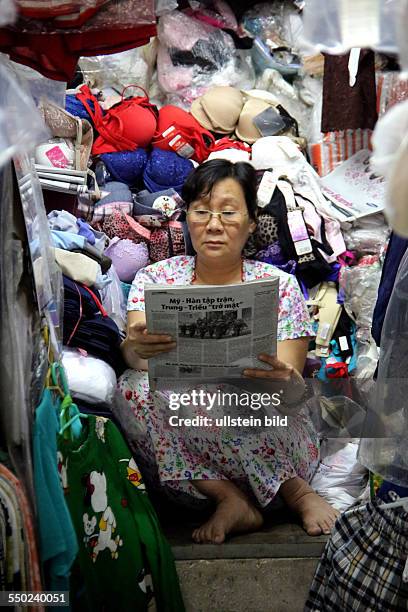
(194, 56)
(90, 379)
(339, 25)
(367, 235)
(360, 285)
(162, 7)
(340, 479)
(113, 299)
(21, 126)
(132, 67)
(272, 27)
(40, 86)
(384, 443)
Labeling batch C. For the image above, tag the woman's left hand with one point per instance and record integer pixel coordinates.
(280, 370)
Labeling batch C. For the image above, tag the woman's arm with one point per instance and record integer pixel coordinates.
(134, 318)
(294, 352)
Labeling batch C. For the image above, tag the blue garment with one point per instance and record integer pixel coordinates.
(395, 251)
(58, 543)
(126, 166)
(166, 169)
(389, 487)
(67, 240)
(85, 230)
(117, 192)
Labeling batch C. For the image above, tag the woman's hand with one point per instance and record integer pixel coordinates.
(291, 383)
(280, 369)
(147, 345)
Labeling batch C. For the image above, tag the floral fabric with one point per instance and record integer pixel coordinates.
(257, 460)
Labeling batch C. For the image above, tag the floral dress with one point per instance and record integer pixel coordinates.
(259, 461)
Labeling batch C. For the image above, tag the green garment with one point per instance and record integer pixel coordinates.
(120, 541)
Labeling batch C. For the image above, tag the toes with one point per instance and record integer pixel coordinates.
(218, 537)
(313, 529)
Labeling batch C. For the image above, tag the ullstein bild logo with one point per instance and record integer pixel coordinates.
(206, 400)
(228, 421)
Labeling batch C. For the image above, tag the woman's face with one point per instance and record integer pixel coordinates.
(214, 238)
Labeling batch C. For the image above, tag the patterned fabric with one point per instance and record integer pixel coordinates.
(259, 461)
(363, 562)
(294, 320)
(167, 241)
(121, 225)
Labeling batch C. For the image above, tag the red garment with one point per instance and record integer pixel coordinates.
(178, 131)
(125, 127)
(229, 143)
(53, 45)
(56, 55)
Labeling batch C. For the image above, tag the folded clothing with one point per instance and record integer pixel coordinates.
(90, 379)
(87, 325)
(78, 267)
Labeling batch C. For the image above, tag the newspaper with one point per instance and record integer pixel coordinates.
(353, 188)
(219, 329)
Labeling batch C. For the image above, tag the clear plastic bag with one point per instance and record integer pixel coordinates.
(40, 86)
(275, 28)
(337, 26)
(90, 379)
(21, 126)
(114, 301)
(194, 56)
(367, 235)
(118, 69)
(340, 478)
(288, 95)
(162, 7)
(113, 14)
(384, 445)
(360, 285)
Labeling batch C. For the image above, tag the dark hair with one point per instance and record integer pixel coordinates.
(202, 179)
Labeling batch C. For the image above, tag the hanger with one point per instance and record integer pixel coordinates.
(70, 416)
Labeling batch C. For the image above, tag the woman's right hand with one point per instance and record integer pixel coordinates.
(147, 345)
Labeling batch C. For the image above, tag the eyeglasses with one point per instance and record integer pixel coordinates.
(225, 216)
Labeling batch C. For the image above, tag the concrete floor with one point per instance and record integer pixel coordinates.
(267, 571)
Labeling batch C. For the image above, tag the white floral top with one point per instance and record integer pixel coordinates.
(293, 321)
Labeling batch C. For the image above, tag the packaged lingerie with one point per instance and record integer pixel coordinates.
(121, 547)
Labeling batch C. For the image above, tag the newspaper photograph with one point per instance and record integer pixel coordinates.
(219, 330)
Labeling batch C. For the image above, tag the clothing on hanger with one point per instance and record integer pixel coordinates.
(395, 250)
(58, 544)
(120, 541)
(346, 107)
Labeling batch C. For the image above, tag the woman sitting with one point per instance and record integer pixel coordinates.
(241, 474)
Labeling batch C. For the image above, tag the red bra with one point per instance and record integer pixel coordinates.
(125, 127)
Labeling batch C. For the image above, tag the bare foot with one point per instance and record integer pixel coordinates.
(233, 514)
(317, 515)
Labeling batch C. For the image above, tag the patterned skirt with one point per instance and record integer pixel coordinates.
(258, 461)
